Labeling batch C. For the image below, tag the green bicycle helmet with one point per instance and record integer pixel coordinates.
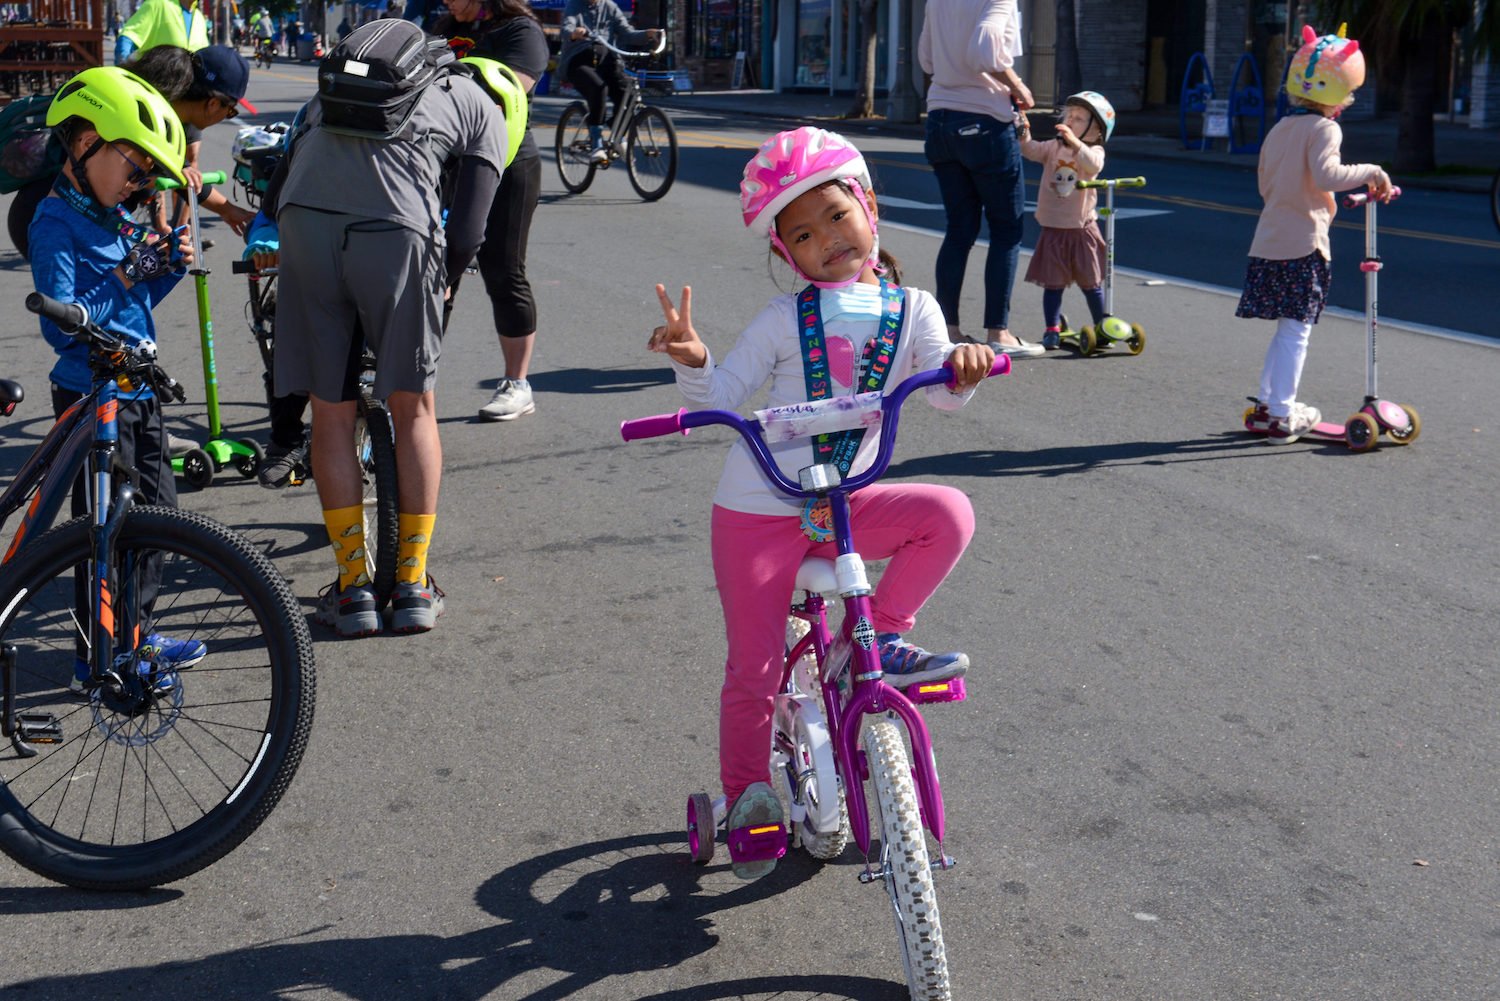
(500, 82)
(124, 108)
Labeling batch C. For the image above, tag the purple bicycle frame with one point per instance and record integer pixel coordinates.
(869, 694)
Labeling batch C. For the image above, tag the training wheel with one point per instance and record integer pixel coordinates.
(249, 465)
(700, 828)
(1361, 432)
(197, 468)
(1408, 434)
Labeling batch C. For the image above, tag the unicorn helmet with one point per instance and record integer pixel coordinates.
(792, 163)
(1326, 70)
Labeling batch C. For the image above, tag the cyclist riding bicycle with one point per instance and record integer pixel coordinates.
(590, 66)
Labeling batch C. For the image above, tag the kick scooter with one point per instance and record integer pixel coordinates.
(197, 465)
(1090, 340)
(1361, 432)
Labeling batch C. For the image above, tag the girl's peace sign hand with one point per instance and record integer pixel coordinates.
(676, 338)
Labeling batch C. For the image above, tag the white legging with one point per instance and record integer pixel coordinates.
(1283, 369)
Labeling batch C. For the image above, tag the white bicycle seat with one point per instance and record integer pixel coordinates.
(816, 575)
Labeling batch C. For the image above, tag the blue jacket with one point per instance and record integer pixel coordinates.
(72, 260)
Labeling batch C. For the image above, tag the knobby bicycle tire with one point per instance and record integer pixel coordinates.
(124, 795)
(376, 445)
(651, 153)
(908, 873)
(573, 149)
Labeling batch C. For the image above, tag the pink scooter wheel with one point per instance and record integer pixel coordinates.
(700, 828)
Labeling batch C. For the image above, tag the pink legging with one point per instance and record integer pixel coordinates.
(921, 528)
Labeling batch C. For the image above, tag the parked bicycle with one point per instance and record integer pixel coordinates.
(816, 748)
(643, 136)
(122, 774)
(374, 438)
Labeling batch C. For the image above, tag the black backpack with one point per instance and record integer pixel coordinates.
(27, 151)
(370, 83)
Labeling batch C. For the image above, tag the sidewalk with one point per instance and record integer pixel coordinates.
(1152, 134)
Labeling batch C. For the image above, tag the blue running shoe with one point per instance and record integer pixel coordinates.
(906, 664)
(172, 655)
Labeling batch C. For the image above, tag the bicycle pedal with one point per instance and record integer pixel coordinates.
(931, 692)
(762, 843)
(39, 728)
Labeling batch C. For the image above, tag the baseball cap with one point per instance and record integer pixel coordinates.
(224, 71)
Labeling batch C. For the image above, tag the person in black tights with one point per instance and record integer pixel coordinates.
(591, 67)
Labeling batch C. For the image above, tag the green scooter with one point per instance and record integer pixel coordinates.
(198, 464)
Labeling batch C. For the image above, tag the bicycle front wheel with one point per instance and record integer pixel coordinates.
(375, 444)
(105, 790)
(905, 865)
(574, 149)
(651, 153)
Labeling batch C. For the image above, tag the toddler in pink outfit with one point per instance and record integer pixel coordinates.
(1070, 250)
(808, 192)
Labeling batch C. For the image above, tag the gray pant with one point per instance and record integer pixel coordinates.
(341, 274)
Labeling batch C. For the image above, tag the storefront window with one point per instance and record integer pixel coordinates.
(714, 28)
(813, 17)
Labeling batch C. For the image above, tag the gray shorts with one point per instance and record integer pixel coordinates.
(343, 275)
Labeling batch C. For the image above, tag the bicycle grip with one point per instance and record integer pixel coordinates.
(69, 316)
(652, 427)
(242, 267)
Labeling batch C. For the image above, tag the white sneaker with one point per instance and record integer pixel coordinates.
(600, 156)
(1285, 430)
(512, 399)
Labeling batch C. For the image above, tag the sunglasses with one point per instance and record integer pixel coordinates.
(139, 176)
(231, 104)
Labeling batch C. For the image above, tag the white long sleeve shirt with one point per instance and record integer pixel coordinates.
(770, 348)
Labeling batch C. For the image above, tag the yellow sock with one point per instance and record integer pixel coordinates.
(411, 556)
(346, 530)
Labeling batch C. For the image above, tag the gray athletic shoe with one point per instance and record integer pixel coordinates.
(415, 607)
(281, 465)
(512, 399)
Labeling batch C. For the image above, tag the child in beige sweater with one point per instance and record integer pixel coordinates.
(1288, 276)
(1070, 249)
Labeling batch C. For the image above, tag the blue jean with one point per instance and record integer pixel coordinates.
(977, 161)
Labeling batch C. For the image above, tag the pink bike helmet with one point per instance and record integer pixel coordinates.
(791, 163)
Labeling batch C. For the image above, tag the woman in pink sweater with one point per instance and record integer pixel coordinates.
(1288, 276)
(1070, 249)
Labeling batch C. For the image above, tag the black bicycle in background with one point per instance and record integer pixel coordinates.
(127, 765)
(643, 136)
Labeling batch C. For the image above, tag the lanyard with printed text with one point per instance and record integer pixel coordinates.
(116, 220)
(840, 448)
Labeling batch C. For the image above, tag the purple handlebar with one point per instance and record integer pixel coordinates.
(750, 430)
(652, 427)
(1355, 199)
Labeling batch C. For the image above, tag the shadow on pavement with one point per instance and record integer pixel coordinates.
(1082, 458)
(568, 920)
(598, 380)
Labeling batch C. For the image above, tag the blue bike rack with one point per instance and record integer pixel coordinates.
(1194, 100)
(1247, 100)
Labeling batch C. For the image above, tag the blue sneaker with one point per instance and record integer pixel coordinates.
(905, 664)
(160, 658)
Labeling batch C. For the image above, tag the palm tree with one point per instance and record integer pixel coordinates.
(864, 92)
(1410, 38)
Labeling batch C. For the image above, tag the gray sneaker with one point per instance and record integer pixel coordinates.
(283, 465)
(512, 399)
(415, 607)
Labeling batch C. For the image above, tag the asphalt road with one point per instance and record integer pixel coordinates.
(1226, 697)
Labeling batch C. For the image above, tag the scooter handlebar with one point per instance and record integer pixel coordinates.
(1114, 182)
(1355, 199)
(209, 177)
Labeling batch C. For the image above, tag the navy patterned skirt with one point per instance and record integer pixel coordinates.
(1294, 290)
